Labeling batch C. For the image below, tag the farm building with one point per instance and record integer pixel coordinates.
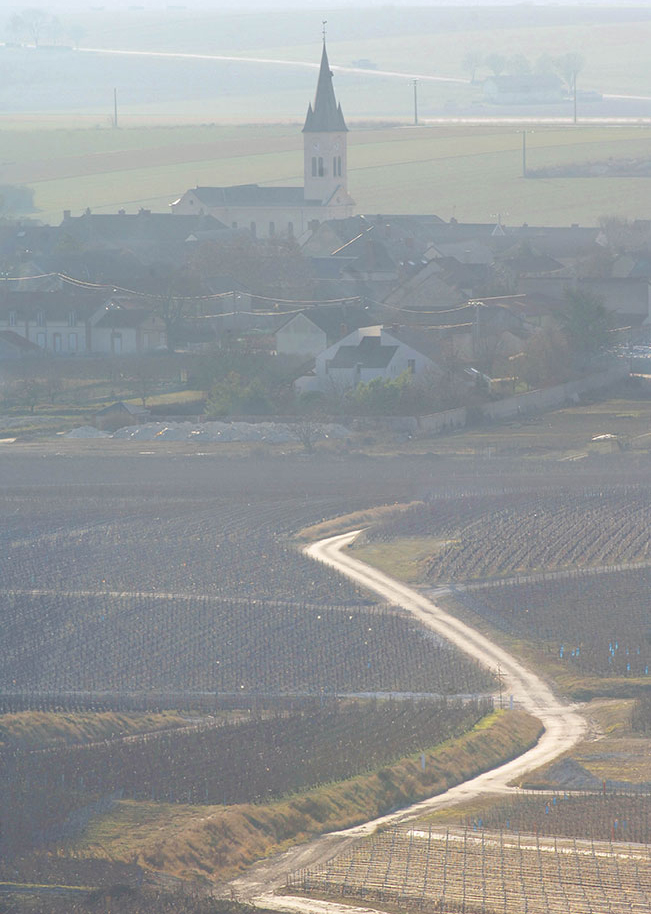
(529, 89)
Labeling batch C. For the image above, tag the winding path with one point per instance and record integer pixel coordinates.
(564, 727)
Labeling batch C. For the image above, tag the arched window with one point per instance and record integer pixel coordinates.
(334, 166)
(339, 165)
(314, 166)
(321, 168)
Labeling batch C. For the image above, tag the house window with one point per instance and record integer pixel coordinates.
(336, 166)
(40, 318)
(339, 165)
(321, 168)
(253, 229)
(272, 229)
(72, 342)
(411, 366)
(56, 342)
(314, 166)
(12, 318)
(72, 319)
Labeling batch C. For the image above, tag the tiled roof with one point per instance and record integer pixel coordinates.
(252, 195)
(123, 317)
(369, 353)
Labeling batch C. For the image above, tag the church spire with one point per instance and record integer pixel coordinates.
(326, 115)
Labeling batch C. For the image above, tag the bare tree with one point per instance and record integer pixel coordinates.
(471, 62)
(568, 66)
(496, 63)
(30, 23)
(307, 432)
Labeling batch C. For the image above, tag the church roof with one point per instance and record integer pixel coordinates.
(253, 195)
(326, 116)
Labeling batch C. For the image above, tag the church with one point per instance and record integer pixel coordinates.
(289, 211)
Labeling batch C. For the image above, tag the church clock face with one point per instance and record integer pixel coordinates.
(316, 147)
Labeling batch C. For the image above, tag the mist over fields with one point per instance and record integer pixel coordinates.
(66, 73)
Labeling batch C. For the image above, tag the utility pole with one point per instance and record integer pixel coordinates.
(115, 108)
(415, 85)
(574, 92)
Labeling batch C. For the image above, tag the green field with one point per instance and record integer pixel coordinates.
(471, 173)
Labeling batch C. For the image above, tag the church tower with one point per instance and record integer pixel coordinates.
(324, 143)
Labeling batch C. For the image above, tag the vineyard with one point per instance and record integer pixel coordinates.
(181, 593)
(591, 623)
(247, 762)
(154, 583)
(69, 642)
(468, 871)
(482, 537)
(597, 817)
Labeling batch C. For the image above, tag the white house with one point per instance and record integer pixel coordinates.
(289, 211)
(119, 328)
(309, 332)
(361, 356)
(70, 324)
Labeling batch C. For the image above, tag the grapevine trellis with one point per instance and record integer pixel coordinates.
(245, 762)
(467, 872)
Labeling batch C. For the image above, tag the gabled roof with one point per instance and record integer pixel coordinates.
(326, 116)
(121, 227)
(369, 353)
(121, 407)
(56, 305)
(125, 318)
(333, 320)
(18, 342)
(252, 195)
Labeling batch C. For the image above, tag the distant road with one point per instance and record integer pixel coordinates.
(274, 61)
(389, 74)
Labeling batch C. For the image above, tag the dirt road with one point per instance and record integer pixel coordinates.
(563, 728)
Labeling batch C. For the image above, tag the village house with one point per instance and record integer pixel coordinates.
(70, 323)
(309, 332)
(363, 355)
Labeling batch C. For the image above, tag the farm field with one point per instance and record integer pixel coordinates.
(165, 574)
(491, 871)
(442, 170)
(567, 575)
(428, 43)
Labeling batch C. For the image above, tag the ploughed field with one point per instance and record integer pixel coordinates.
(568, 569)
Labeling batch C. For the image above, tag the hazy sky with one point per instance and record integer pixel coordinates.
(230, 5)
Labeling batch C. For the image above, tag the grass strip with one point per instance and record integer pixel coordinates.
(216, 842)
